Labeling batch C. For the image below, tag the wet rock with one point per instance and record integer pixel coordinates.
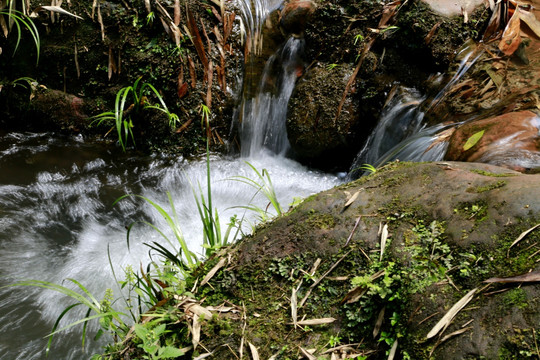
(295, 16)
(314, 132)
(511, 140)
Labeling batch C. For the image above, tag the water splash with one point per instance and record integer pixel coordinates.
(58, 222)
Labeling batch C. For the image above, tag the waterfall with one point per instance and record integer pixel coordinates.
(261, 115)
(401, 133)
(264, 116)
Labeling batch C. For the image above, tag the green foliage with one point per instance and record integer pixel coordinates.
(108, 318)
(263, 184)
(151, 343)
(21, 21)
(213, 239)
(137, 98)
(183, 257)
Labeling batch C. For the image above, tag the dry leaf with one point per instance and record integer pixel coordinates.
(203, 356)
(379, 323)
(384, 237)
(196, 332)
(310, 322)
(393, 350)
(56, 9)
(449, 316)
(521, 237)
(294, 306)
(254, 352)
(533, 276)
(511, 36)
(216, 268)
(307, 354)
(529, 19)
(177, 13)
(352, 199)
(199, 310)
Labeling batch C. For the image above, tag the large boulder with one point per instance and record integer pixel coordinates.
(315, 134)
(374, 265)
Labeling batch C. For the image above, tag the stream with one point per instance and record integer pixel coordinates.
(58, 222)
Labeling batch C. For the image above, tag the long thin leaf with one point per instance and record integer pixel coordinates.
(449, 316)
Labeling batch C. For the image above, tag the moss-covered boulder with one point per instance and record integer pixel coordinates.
(370, 267)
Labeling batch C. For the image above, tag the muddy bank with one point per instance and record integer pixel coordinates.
(321, 279)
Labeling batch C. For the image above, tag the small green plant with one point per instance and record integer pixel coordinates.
(332, 66)
(264, 185)
(109, 319)
(213, 239)
(20, 20)
(136, 97)
(205, 119)
(151, 343)
(183, 258)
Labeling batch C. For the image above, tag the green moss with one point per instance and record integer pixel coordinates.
(514, 298)
(489, 187)
(491, 174)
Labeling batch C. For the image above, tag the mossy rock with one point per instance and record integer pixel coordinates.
(443, 242)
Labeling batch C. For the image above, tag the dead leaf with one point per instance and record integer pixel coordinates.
(393, 351)
(384, 237)
(311, 322)
(196, 39)
(353, 230)
(216, 268)
(511, 37)
(254, 352)
(521, 237)
(533, 276)
(182, 90)
(449, 316)
(192, 72)
(352, 199)
(56, 9)
(199, 310)
(529, 19)
(307, 354)
(379, 323)
(431, 33)
(294, 307)
(203, 356)
(177, 13)
(196, 331)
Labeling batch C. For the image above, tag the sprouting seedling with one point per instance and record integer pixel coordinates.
(332, 66)
(358, 38)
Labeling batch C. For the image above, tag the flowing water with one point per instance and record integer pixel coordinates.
(401, 133)
(58, 221)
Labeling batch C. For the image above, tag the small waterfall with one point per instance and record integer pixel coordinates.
(254, 14)
(263, 121)
(401, 133)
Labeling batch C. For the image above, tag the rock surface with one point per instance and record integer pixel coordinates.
(451, 226)
(510, 140)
